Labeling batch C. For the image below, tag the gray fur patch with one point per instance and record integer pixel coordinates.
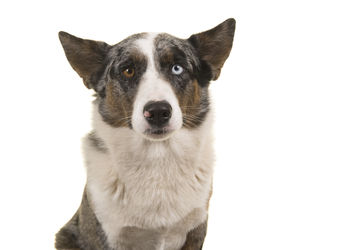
(139, 239)
(117, 52)
(195, 238)
(97, 142)
(165, 43)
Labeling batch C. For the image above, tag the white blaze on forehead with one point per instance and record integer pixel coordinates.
(146, 46)
(153, 87)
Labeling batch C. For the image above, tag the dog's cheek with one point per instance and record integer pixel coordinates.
(116, 107)
(194, 104)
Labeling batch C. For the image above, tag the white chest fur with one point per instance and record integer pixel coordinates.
(150, 185)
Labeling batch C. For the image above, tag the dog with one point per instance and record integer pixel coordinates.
(149, 158)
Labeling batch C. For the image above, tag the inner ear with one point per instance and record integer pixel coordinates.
(87, 57)
(214, 45)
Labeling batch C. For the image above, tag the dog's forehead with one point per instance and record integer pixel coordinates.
(164, 41)
(149, 44)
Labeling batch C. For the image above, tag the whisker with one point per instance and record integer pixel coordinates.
(192, 117)
(124, 121)
(191, 108)
(189, 124)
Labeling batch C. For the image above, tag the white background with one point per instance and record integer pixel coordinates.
(282, 117)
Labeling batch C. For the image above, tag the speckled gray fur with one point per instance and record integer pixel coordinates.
(83, 231)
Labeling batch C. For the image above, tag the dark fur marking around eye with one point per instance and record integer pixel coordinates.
(170, 51)
(134, 60)
(191, 86)
(116, 103)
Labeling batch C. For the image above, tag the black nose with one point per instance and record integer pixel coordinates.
(157, 113)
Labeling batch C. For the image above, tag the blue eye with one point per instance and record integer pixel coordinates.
(177, 69)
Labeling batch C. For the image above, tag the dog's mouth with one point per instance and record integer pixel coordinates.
(158, 133)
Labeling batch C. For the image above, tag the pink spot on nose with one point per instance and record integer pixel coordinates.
(146, 114)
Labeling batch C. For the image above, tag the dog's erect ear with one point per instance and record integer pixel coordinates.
(87, 57)
(214, 46)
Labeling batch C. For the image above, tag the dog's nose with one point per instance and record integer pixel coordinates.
(157, 113)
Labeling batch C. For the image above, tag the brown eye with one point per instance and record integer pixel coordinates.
(129, 72)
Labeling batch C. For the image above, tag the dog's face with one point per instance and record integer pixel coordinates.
(154, 84)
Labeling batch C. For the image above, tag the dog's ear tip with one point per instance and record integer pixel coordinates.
(64, 36)
(231, 23)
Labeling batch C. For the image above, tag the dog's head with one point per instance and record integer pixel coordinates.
(154, 84)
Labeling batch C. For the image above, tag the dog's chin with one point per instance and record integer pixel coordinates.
(157, 134)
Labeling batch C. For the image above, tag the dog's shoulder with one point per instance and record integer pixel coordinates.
(67, 237)
(83, 231)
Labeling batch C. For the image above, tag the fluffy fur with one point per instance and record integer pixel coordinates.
(159, 188)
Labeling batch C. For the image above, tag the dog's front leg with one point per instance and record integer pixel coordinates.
(195, 238)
